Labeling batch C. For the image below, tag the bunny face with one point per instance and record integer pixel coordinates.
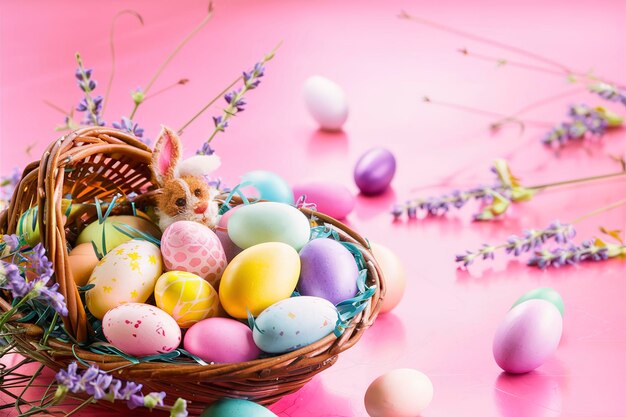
(182, 197)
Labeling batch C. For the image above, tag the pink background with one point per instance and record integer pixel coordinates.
(444, 326)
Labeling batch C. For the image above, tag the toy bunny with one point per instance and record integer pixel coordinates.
(184, 192)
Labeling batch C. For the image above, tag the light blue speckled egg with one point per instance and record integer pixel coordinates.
(231, 407)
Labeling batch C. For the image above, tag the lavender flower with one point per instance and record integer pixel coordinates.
(91, 106)
(251, 78)
(39, 262)
(127, 125)
(11, 280)
(101, 385)
(205, 149)
(236, 100)
(587, 251)
(609, 92)
(516, 245)
(11, 242)
(586, 121)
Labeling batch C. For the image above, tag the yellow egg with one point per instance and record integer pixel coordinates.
(113, 236)
(82, 261)
(127, 274)
(186, 297)
(28, 226)
(393, 271)
(258, 277)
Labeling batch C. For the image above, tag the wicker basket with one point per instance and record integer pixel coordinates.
(101, 162)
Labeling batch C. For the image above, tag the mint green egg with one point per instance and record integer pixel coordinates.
(231, 407)
(547, 294)
(269, 222)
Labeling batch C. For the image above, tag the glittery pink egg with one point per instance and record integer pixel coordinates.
(193, 247)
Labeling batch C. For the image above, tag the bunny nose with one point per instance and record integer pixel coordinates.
(201, 207)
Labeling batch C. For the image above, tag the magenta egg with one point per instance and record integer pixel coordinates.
(374, 171)
(529, 334)
(221, 340)
(329, 198)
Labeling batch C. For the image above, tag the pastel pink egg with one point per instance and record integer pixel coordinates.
(192, 247)
(529, 334)
(221, 340)
(230, 249)
(330, 198)
(141, 329)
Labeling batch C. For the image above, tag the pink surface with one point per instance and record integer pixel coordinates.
(444, 326)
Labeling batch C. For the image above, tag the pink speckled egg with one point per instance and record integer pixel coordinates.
(193, 247)
(221, 340)
(141, 329)
(528, 335)
(330, 198)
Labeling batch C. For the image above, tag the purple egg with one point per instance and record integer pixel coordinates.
(328, 270)
(374, 171)
(330, 198)
(528, 335)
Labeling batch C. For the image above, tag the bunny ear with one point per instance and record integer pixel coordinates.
(166, 156)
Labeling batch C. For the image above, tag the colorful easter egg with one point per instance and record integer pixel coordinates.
(328, 271)
(230, 249)
(393, 274)
(326, 102)
(547, 294)
(258, 277)
(186, 297)
(374, 171)
(127, 274)
(28, 226)
(193, 247)
(529, 334)
(269, 222)
(141, 329)
(231, 407)
(112, 235)
(221, 340)
(293, 323)
(399, 393)
(82, 260)
(330, 198)
(269, 186)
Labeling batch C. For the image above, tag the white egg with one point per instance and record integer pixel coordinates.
(326, 102)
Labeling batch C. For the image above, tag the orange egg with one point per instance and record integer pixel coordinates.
(395, 278)
(82, 261)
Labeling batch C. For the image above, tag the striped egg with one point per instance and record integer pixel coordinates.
(193, 247)
(186, 297)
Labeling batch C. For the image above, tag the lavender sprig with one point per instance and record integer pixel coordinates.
(101, 385)
(92, 106)
(585, 122)
(127, 125)
(609, 92)
(560, 256)
(515, 245)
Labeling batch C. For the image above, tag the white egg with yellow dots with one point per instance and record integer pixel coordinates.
(127, 274)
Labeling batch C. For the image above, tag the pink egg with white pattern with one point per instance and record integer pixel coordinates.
(141, 329)
(192, 247)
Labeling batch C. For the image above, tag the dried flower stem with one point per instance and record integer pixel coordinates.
(112, 45)
(600, 210)
(209, 104)
(171, 56)
(577, 181)
(182, 81)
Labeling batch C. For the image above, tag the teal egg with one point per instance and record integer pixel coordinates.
(270, 186)
(269, 222)
(547, 294)
(231, 407)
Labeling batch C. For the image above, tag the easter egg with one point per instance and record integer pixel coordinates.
(328, 270)
(127, 274)
(547, 294)
(332, 199)
(268, 186)
(141, 329)
(269, 222)
(193, 247)
(374, 171)
(393, 274)
(230, 249)
(293, 323)
(114, 237)
(221, 340)
(231, 407)
(399, 393)
(326, 102)
(528, 336)
(258, 277)
(28, 226)
(82, 260)
(186, 297)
